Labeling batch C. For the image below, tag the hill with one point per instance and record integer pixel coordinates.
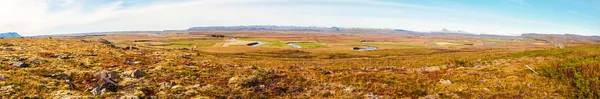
(9, 35)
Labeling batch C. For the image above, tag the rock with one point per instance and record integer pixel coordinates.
(212, 89)
(485, 89)
(186, 56)
(137, 62)
(326, 72)
(176, 86)
(106, 74)
(3, 78)
(166, 85)
(251, 67)
(103, 85)
(431, 69)
(7, 89)
(239, 81)
(71, 85)
(106, 42)
(348, 89)
(39, 61)
(297, 89)
(97, 91)
(20, 64)
(63, 56)
(9, 49)
(128, 62)
(445, 82)
(107, 84)
(91, 54)
(6, 44)
(280, 90)
(137, 73)
(61, 76)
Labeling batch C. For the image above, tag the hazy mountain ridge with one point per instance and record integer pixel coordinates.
(379, 31)
(9, 35)
(266, 27)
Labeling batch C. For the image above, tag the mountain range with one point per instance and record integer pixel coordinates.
(9, 35)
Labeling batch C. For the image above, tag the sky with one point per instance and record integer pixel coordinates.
(502, 17)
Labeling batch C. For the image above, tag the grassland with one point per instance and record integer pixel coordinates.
(274, 71)
(310, 45)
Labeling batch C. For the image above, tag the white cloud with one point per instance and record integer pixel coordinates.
(67, 2)
(33, 18)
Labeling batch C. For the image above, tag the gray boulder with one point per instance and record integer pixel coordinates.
(3, 78)
(106, 74)
(105, 83)
(137, 73)
(20, 64)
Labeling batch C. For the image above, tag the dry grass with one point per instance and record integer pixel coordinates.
(267, 72)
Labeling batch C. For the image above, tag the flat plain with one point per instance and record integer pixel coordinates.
(221, 64)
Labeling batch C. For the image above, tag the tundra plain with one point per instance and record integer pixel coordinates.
(220, 64)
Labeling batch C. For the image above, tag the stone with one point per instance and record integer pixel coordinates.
(20, 64)
(186, 57)
(91, 54)
(137, 73)
(251, 67)
(176, 86)
(445, 82)
(166, 85)
(297, 89)
(9, 49)
(61, 76)
(6, 89)
(39, 61)
(106, 42)
(106, 74)
(3, 78)
(128, 62)
(431, 69)
(102, 86)
(240, 81)
(107, 84)
(137, 62)
(63, 56)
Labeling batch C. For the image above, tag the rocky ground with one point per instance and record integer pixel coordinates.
(52, 68)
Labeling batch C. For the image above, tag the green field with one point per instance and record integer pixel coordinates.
(310, 45)
(270, 42)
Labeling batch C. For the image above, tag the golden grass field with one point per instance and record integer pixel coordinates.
(327, 67)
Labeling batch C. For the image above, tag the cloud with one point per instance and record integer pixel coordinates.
(67, 2)
(36, 18)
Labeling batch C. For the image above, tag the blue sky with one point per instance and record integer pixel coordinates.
(505, 17)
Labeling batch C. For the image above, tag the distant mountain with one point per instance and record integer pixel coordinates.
(266, 27)
(450, 31)
(9, 35)
(564, 38)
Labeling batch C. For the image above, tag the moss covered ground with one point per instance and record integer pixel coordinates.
(285, 73)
